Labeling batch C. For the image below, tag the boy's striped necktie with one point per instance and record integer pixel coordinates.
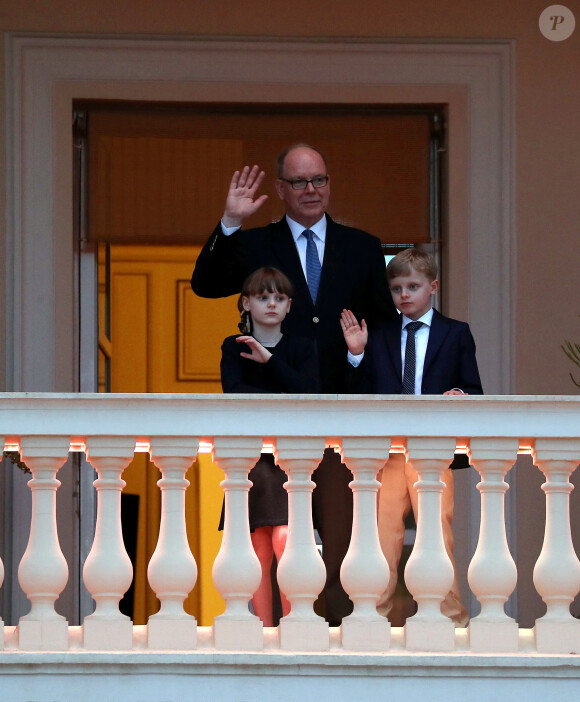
(410, 359)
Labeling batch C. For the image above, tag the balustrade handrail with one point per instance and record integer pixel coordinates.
(168, 414)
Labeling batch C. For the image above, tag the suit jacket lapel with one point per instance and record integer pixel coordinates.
(392, 338)
(437, 334)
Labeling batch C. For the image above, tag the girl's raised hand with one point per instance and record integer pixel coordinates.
(259, 353)
(356, 335)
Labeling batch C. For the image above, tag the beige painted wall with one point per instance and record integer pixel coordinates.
(547, 108)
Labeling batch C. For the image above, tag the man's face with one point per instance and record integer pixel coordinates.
(412, 294)
(304, 206)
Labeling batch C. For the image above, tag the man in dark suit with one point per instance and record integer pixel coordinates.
(422, 352)
(332, 267)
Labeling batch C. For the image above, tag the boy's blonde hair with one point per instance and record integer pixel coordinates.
(405, 260)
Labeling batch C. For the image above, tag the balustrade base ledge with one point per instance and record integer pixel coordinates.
(403, 665)
(272, 660)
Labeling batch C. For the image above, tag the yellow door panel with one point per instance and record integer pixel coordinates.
(166, 339)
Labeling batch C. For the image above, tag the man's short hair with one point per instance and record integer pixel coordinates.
(282, 157)
(421, 261)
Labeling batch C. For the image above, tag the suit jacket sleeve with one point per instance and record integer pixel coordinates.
(231, 367)
(454, 364)
(469, 380)
(219, 270)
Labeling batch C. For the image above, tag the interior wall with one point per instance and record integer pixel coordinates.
(547, 103)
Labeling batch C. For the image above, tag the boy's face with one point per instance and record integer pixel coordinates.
(412, 293)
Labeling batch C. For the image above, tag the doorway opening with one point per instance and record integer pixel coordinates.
(152, 180)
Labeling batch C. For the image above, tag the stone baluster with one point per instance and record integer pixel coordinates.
(365, 571)
(236, 570)
(108, 572)
(557, 570)
(172, 571)
(492, 573)
(429, 571)
(43, 570)
(301, 571)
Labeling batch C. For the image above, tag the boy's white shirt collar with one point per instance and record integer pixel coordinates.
(426, 319)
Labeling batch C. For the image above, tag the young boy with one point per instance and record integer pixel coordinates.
(435, 355)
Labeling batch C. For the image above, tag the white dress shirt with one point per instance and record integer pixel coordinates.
(421, 340)
(319, 230)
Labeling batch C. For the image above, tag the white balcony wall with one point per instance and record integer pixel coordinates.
(43, 657)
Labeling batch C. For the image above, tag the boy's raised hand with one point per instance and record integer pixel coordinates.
(259, 353)
(356, 335)
(240, 202)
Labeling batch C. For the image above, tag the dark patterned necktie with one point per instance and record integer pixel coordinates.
(410, 359)
(313, 267)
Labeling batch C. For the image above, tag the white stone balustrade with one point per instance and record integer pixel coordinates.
(43, 571)
(492, 573)
(557, 570)
(365, 571)
(45, 427)
(172, 570)
(301, 571)
(108, 571)
(236, 570)
(429, 571)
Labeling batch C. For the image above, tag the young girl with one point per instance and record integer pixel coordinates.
(263, 359)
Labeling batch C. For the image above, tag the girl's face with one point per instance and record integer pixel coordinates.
(268, 309)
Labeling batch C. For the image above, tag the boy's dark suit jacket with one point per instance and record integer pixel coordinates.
(449, 360)
(449, 363)
(353, 277)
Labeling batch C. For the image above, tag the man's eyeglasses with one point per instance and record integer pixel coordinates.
(302, 183)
